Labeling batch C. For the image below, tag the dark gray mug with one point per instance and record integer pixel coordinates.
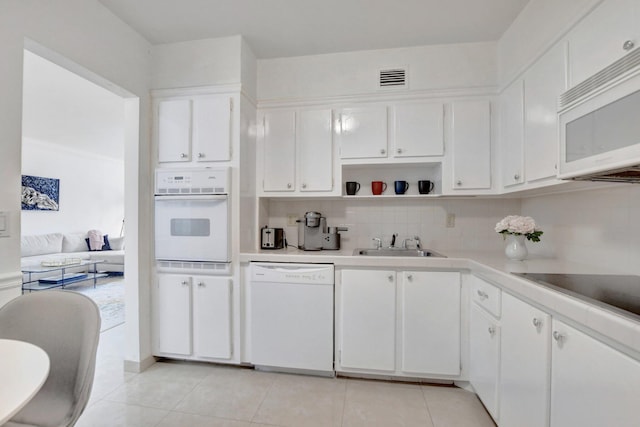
(352, 187)
(425, 186)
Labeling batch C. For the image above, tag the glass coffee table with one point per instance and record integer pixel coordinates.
(60, 275)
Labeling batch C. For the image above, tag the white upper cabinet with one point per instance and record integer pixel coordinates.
(471, 141)
(601, 37)
(512, 133)
(544, 82)
(212, 129)
(296, 151)
(314, 138)
(197, 128)
(174, 130)
(363, 132)
(278, 147)
(418, 130)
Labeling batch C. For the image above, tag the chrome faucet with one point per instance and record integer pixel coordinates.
(378, 242)
(393, 240)
(405, 241)
(417, 239)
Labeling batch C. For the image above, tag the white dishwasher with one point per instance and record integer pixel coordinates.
(292, 317)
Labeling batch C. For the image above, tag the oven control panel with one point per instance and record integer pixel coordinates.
(192, 181)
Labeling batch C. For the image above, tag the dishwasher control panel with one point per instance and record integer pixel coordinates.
(309, 274)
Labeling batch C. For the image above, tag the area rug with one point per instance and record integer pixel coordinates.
(109, 296)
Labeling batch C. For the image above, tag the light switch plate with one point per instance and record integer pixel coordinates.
(4, 224)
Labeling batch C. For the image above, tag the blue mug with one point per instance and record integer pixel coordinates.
(401, 187)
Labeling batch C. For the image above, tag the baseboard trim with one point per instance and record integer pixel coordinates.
(137, 367)
(10, 280)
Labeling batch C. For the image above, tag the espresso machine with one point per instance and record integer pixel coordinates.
(313, 234)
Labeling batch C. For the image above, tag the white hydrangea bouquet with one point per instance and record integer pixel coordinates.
(519, 225)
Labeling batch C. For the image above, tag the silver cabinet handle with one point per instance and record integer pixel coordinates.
(201, 284)
(537, 322)
(458, 183)
(399, 151)
(185, 283)
(200, 155)
(482, 294)
(409, 277)
(516, 177)
(628, 45)
(558, 336)
(492, 330)
(383, 151)
(390, 277)
(288, 185)
(304, 185)
(183, 155)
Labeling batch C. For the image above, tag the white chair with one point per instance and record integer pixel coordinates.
(66, 325)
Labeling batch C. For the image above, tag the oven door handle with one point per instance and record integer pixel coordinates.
(187, 197)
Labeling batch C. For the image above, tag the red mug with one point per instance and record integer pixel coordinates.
(378, 187)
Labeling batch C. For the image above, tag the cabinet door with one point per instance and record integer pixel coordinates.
(471, 136)
(212, 129)
(484, 357)
(315, 147)
(525, 359)
(430, 313)
(512, 133)
(544, 82)
(174, 130)
(363, 132)
(591, 383)
(419, 130)
(368, 314)
(212, 317)
(173, 305)
(597, 41)
(279, 151)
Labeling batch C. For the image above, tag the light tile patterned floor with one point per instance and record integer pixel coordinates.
(203, 395)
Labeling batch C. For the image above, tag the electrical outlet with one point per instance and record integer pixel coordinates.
(451, 220)
(291, 220)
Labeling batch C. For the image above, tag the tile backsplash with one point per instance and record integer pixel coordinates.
(475, 220)
(598, 226)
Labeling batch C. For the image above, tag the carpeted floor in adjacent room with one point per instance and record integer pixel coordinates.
(109, 296)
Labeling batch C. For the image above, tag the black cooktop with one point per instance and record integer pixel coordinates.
(622, 292)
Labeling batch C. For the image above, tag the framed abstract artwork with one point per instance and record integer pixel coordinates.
(40, 194)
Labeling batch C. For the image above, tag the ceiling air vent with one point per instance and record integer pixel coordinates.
(393, 78)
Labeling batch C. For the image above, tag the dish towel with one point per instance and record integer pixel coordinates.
(96, 240)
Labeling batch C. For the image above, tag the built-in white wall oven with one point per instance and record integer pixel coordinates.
(191, 218)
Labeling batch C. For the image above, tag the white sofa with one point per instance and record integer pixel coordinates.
(59, 246)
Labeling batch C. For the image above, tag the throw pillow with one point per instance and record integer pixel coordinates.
(105, 247)
(117, 243)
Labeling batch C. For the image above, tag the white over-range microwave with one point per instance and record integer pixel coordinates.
(599, 123)
(192, 218)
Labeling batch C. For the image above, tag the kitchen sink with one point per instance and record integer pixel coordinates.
(398, 252)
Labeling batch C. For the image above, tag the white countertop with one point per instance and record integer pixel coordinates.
(616, 328)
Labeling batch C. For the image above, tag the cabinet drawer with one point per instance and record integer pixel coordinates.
(486, 295)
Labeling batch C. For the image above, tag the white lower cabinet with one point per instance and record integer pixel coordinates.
(592, 384)
(524, 359)
(484, 355)
(192, 317)
(412, 314)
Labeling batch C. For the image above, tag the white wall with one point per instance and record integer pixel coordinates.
(83, 36)
(196, 63)
(436, 67)
(474, 224)
(91, 190)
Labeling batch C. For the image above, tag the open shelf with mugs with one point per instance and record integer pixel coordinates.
(412, 180)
